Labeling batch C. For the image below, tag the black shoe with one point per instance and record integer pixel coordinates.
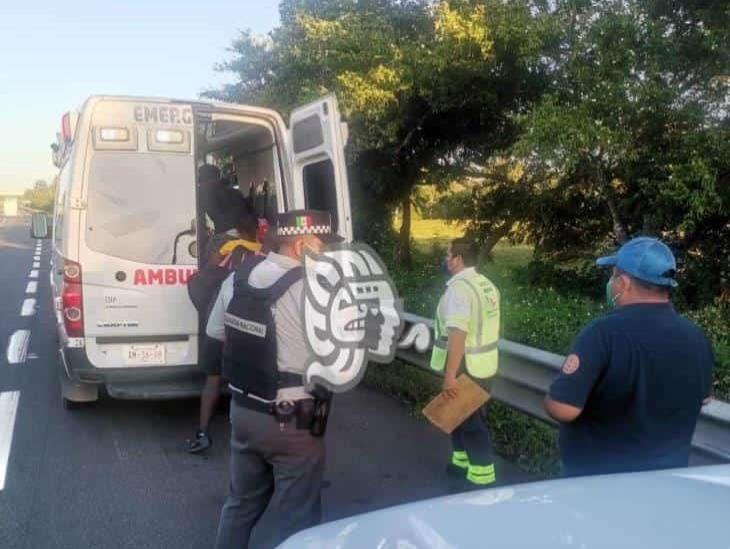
(201, 442)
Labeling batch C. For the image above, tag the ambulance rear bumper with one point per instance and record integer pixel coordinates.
(154, 383)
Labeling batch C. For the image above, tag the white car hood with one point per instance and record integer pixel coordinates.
(675, 508)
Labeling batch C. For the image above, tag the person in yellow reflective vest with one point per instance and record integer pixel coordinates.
(466, 331)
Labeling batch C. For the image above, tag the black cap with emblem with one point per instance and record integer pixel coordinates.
(307, 222)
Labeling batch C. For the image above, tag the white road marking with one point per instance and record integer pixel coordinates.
(36, 258)
(37, 264)
(8, 408)
(33, 274)
(18, 346)
(28, 307)
(121, 454)
(32, 287)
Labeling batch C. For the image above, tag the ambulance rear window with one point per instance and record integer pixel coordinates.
(320, 189)
(138, 204)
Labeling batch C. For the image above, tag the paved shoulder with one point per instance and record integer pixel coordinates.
(379, 455)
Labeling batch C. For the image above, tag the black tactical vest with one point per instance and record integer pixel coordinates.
(249, 356)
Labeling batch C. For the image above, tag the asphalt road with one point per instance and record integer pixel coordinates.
(115, 474)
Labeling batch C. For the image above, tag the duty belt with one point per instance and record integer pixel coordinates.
(287, 380)
(301, 412)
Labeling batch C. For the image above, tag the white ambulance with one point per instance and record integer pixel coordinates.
(127, 228)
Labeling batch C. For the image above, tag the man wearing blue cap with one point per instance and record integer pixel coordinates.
(630, 391)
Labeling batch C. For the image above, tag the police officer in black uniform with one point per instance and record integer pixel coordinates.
(277, 449)
(631, 390)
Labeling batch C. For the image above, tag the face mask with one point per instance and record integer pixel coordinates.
(445, 267)
(611, 300)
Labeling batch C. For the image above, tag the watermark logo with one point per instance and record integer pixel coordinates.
(352, 315)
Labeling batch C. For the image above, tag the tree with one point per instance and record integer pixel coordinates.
(635, 132)
(575, 124)
(41, 196)
(360, 51)
(424, 85)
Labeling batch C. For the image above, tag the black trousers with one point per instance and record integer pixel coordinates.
(471, 441)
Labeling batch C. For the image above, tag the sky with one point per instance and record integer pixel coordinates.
(54, 54)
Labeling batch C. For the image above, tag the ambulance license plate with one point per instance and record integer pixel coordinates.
(144, 355)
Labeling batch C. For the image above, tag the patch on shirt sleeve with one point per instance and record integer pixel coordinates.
(571, 364)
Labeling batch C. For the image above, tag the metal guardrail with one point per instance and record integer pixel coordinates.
(525, 374)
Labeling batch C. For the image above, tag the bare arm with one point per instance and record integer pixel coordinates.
(564, 413)
(456, 349)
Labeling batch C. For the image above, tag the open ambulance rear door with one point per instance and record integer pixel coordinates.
(317, 141)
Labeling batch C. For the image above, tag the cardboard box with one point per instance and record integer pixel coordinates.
(447, 415)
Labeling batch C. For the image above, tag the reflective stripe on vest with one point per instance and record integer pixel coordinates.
(481, 355)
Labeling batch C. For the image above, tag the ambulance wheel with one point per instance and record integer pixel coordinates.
(75, 394)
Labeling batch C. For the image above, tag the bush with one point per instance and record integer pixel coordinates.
(715, 321)
(41, 196)
(523, 440)
(545, 318)
(579, 276)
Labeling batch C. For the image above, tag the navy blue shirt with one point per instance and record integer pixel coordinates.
(640, 374)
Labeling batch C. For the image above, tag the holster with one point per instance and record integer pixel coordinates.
(322, 407)
(310, 414)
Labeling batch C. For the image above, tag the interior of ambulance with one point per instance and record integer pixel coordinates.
(249, 158)
(245, 152)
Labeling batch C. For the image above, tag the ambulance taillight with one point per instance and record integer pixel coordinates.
(68, 126)
(72, 299)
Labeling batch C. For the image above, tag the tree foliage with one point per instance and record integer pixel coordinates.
(634, 131)
(574, 124)
(422, 84)
(41, 196)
